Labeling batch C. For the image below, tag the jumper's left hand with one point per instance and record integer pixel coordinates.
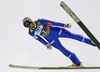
(67, 25)
(49, 46)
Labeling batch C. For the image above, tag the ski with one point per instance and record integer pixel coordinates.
(53, 67)
(80, 23)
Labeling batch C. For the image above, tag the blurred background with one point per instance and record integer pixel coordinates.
(19, 48)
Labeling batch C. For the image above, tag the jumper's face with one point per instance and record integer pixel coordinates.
(31, 25)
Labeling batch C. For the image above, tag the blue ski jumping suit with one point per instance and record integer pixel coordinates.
(51, 31)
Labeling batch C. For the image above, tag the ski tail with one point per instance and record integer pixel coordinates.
(80, 23)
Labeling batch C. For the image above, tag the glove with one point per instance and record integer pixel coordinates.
(67, 25)
(49, 46)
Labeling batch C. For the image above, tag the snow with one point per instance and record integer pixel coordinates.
(17, 47)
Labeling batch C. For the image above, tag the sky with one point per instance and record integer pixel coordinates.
(19, 48)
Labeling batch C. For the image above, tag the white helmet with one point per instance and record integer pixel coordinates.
(26, 21)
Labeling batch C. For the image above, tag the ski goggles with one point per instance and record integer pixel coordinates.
(26, 23)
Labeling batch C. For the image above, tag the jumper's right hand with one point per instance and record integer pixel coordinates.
(49, 46)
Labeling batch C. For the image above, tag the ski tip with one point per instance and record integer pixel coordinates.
(10, 65)
(62, 4)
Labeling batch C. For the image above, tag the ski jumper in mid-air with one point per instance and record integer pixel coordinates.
(51, 31)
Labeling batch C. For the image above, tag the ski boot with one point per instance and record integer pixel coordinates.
(74, 64)
(93, 43)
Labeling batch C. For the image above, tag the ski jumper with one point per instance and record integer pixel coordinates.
(51, 31)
